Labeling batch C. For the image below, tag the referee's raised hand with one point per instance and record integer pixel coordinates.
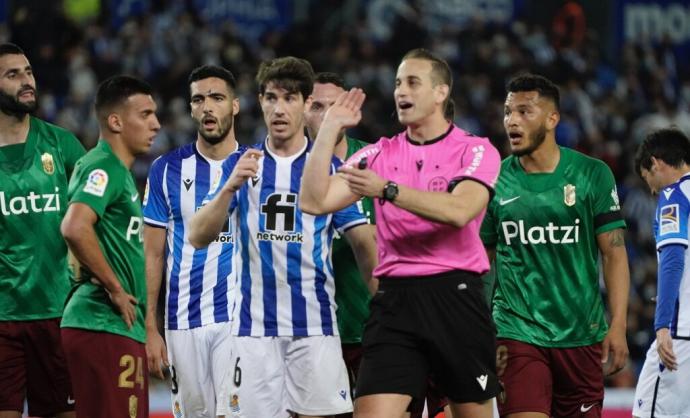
(346, 112)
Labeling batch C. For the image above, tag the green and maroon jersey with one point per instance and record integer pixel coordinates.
(351, 293)
(34, 277)
(103, 183)
(544, 227)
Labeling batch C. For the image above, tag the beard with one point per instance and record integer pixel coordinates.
(535, 140)
(224, 126)
(11, 106)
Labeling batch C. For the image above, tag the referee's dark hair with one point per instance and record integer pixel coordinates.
(113, 91)
(440, 72)
(540, 84)
(669, 145)
(8, 48)
(208, 71)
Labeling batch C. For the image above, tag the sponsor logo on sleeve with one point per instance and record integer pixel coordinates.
(669, 222)
(616, 201)
(476, 160)
(97, 182)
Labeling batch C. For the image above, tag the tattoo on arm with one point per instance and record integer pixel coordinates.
(617, 238)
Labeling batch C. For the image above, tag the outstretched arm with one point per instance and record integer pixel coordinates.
(617, 279)
(320, 192)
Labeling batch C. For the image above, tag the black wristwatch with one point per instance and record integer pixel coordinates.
(390, 192)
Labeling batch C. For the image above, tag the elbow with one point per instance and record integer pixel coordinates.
(69, 232)
(310, 206)
(195, 237)
(196, 240)
(459, 220)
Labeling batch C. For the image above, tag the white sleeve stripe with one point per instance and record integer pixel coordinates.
(351, 225)
(155, 222)
(681, 241)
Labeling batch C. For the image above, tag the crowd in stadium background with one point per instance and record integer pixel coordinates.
(617, 81)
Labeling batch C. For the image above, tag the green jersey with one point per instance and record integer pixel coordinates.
(103, 183)
(351, 293)
(34, 277)
(544, 227)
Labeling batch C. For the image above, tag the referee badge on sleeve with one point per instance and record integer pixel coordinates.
(569, 197)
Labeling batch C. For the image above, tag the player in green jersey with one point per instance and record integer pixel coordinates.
(351, 292)
(554, 211)
(103, 324)
(36, 160)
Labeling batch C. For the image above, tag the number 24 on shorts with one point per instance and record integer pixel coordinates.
(133, 372)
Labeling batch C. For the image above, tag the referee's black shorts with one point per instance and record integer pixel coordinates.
(438, 326)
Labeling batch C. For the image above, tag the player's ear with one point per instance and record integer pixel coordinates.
(235, 106)
(442, 92)
(307, 102)
(552, 120)
(114, 122)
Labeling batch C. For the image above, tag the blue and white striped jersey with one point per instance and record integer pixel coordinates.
(283, 256)
(198, 282)
(671, 227)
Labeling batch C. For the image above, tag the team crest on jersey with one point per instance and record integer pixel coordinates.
(438, 184)
(235, 404)
(569, 197)
(48, 164)
(133, 403)
(97, 182)
(669, 222)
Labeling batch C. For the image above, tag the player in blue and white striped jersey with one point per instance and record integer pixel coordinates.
(663, 161)
(286, 346)
(198, 297)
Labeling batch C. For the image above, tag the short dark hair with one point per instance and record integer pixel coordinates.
(330, 78)
(440, 71)
(208, 71)
(292, 74)
(534, 82)
(115, 90)
(669, 145)
(10, 48)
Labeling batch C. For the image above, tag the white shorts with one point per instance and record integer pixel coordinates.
(664, 394)
(276, 376)
(201, 365)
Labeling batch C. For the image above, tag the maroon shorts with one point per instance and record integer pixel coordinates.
(109, 374)
(559, 382)
(32, 364)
